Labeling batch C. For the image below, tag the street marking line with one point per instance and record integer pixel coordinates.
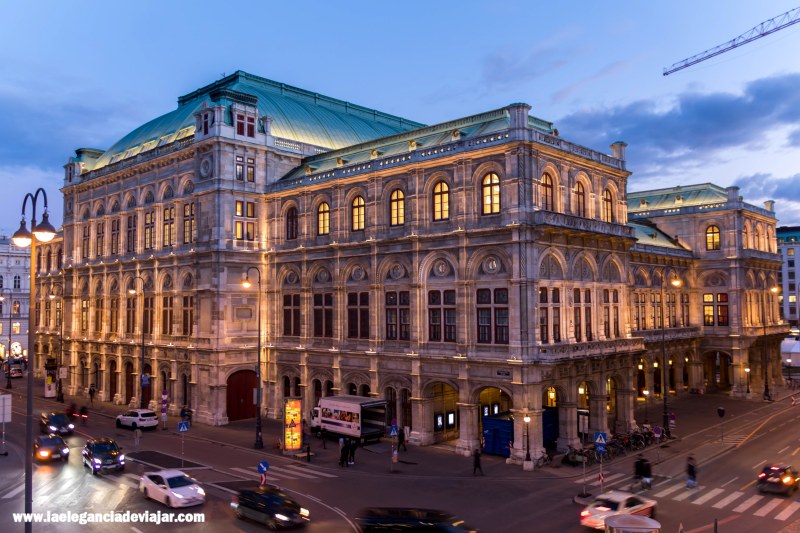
(783, 450)
(748, 485)
(317, 472)
(731, 481)
(668, 491)
(116, 499)
(707, 496)
(769, 506)
(14, 492)
(759, 464)
(251, 474)
(795, 451)
(761, 425)
(686, 494)
(284, 472)
(594, 482)
(728, 499)
(789, 511)
(748, 504)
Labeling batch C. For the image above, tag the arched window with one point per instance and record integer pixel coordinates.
(357, 209)
(712, 238)
(547, 192)
(490, 192)
(746, 237)
(323, 219)
(397, 208)
(291, 224)
(756, 240)
(608, 206)
(580, 200)
(441, 201)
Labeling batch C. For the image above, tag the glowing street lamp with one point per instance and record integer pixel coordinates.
(527, 420)
(747, 371)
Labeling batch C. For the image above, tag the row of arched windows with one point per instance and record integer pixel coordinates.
(547, 199)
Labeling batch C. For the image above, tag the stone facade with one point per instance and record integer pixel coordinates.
(480, 267)
(15, 292)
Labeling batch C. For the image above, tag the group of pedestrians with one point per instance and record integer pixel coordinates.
(347, 451)
(643, 472)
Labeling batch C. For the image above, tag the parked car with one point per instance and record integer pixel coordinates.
(49, 447)
(271, 506)
(56, 423)
(138, 418)
(172, 488)
(777, 478)
(400, 519)
(613, 503)
(103, 454)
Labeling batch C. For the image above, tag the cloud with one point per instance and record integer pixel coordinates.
(607, 71)
(757, 188)
(18, 180)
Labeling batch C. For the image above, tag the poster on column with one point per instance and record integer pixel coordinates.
(292, 424)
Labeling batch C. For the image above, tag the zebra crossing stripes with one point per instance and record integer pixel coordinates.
(789, 511)
(685, 494)
(284, 473)
(610, 479)
(724, 502)
(707, 496)
(747, 504)
(769, 506)
(14, 492)
(668, 491)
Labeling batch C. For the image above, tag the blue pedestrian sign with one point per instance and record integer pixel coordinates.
(601, 448)
(183, 427)
(600, 438)
(393, 431)
(263, 466)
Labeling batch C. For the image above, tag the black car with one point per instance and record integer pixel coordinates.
(401, 519)
(50, 447)
(778, 478)
(103, 454)
(56, 423)
(271, 506)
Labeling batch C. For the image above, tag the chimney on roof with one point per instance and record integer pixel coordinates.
(733, 193)
(769, 205)
(518, 113)
(618, 149)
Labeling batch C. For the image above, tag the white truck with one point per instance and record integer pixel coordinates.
(350, 416)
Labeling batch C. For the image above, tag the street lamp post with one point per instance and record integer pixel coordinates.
(60, 315)
(789, 362)
(43, 232)
(646, 393)
(527, 420)
(8, 353)
(246, 284)
(132, 290)
(747, 371)
(664, 383)
(764, 354)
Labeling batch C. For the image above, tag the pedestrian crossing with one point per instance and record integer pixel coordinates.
(112, 488)
(284, 472)
(778, 507)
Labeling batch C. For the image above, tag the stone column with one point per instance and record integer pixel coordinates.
(422, 432)
(598, 418)
(469, 438)
(568, 425)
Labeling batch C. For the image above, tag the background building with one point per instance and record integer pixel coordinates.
(789, 247)
(484, 266)
(15, 293)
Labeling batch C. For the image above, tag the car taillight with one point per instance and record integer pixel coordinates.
(585, 513)
(235, 499)
(762, 475)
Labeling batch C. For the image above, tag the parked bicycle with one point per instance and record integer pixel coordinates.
(543, 459)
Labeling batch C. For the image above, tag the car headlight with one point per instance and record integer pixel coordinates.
(180, 497)
(200, 491)
(122, 458)
(304, 512)
(52, 428)
(43, 453)
(65, 450)
(97, 461)
(281, 517)
(71, 426)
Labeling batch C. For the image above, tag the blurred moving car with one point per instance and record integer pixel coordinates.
(399, 519)
(49, 447)
(271, 506)
(56, 423)
(616, 502)
(103, 454)
(778, 478)
(172, 488)
(138, 418)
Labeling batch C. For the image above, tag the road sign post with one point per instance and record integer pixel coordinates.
(183, 428)
(393, 435)
(600, 441)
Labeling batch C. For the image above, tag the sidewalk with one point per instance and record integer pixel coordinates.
(696, 422)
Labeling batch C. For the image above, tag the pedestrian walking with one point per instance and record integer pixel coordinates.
(401, 440)
(137, 434)
(324, 438)
(351, 451)
(343, 453)
(476, 462)
(691, 473)
(92, 392)
(638, 471)
(647, 474)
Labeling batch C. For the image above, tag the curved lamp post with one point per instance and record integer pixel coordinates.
(527, 420)
(132, 290)
(765, 356)
(52, 296)
(246, 284)
(675, 282)
(43, 232)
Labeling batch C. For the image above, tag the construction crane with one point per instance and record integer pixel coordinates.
(762, 30)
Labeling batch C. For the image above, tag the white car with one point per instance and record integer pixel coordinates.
(138, 418)
(616, 502)
(172, 487)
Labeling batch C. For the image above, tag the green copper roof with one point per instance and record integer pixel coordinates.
(652, 236)
(296, 114)
(680, 196)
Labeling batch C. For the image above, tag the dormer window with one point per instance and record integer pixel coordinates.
(679, 199)
(643, 203)
(245, 125)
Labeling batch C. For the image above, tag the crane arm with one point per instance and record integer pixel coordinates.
(765, 28)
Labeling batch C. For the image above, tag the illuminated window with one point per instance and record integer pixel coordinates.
(239, 168)
(149, 230)
(168, 233)
(546, 189)
(580, 200)
(397, 208)
(245, 125)
(712, 238)
(490, 191)
(608, 206)
(323, 219)
(251, 170)
(441, 201)
(357, 210)
(188, 223)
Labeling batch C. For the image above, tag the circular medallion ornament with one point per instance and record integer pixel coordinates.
(358, 274)
(323, 276)
(291, 278)
(397, 271)
(205, 167)
(490, 265)
(441, 268)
